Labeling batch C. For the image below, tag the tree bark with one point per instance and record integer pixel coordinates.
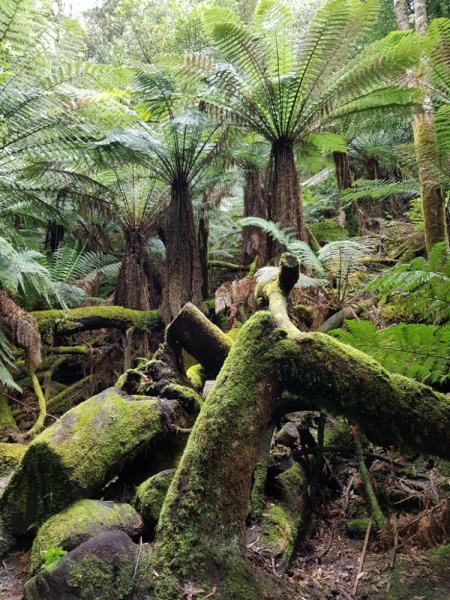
(132, 290)
(203, 235)
(201, 530)
(253, 245)
(200, 338)
(425, 142)
(182, 272)
(284, 204)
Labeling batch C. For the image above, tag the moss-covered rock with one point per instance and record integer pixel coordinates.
(10, 457)
(357, 528)
(150, 496)
(431, 582)
(84, 520)
(79, 454)
(100, 569)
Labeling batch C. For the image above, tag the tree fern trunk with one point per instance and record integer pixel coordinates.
(253, 239)
(132, 289)
(284, 204)
(182, 281)
(203, 235)
(425, 141)
(344, 180)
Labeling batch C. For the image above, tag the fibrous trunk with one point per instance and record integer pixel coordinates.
(253, 240)
(284, 204)
(182, 273)
(203, 236)
(425, 142)
(132, 289)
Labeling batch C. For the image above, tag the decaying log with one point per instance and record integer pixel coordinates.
(288, 435)
(200, 338)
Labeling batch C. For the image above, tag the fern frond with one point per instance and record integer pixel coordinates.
(418, 351)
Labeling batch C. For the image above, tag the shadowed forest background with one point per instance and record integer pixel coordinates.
(225, 300)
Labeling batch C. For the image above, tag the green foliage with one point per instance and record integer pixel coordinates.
(52, 555)
(286, 90)
(415, 350)
(439, 60)
(422, 286)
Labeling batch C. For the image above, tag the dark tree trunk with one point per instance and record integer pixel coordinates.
(284, 204)
(352, 214)
(203, 235)
(132, 289)
(182, 272)
(253, 239)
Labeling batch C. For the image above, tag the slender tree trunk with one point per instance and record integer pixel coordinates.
(203, 235)
(352, 215)
(425, 141)
(284, 204)
(253, 239)
(182, 271)
(132, 284)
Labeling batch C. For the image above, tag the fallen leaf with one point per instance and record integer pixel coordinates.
(190, 591)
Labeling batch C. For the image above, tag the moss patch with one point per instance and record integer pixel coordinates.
(431, 582)
(150, 496)
(197, 376)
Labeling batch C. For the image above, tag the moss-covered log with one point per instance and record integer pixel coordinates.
(200, 338)
(80, 453)
(201, 529)
(63, 322)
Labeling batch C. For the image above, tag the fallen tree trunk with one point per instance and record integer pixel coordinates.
(201, 530)
(200, 338)
(64, 322)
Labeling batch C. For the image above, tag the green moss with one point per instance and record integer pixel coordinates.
(281, 527)
(78, 454)
(357, 528)
(197, 377)
(6, 418)
(10, 457)
(51, 322)
(150, 496)
(80, 522)
(260, 475)
(304, 313)
(233, 333)
(432, 584)
(209, 304)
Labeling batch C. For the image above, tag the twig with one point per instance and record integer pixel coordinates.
(394, 549)
(29, 407)
(363, 555)
(330, 541)
(347, 494)
(138, 558)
